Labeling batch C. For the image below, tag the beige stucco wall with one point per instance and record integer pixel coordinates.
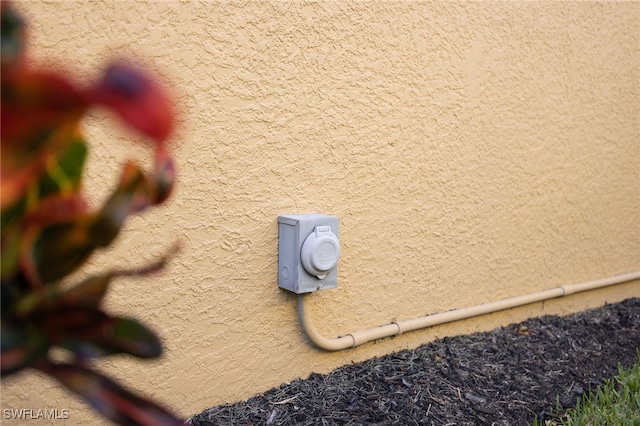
(472, 151)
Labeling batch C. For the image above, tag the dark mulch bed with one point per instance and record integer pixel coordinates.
(504, 377)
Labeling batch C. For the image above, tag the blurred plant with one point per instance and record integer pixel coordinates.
(48, 231)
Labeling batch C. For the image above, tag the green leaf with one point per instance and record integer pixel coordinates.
(113, 336)
(13, 214)
(128, 197)
(64, 174)
(60, 176)
(113, 401)
(134, 338)
(10, 253)
(21, 346)
(72, 161)
(91, 333)
(38, 239)
(14, 289)
(88, 294)
(55, 250)
(60, 249)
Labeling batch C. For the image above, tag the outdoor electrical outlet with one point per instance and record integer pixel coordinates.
(308, 252)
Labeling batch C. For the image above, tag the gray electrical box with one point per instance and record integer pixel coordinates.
(308, 252)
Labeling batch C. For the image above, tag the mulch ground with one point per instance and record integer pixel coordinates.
(508, 376)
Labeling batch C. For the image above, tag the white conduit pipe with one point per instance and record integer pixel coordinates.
(360, 337)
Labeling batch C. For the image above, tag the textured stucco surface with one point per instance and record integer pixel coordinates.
(472, 151)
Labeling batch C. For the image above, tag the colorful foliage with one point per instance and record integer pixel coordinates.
(49, 231)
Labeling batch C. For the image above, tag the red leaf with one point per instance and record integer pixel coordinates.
(57, 208)
(137, 99)
(110, 399)
(40, 115)
(35, 104)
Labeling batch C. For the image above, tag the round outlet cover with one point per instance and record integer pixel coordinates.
(320, 252)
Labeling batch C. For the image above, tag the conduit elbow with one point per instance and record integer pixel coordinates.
(326, 343)
(351, 340)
